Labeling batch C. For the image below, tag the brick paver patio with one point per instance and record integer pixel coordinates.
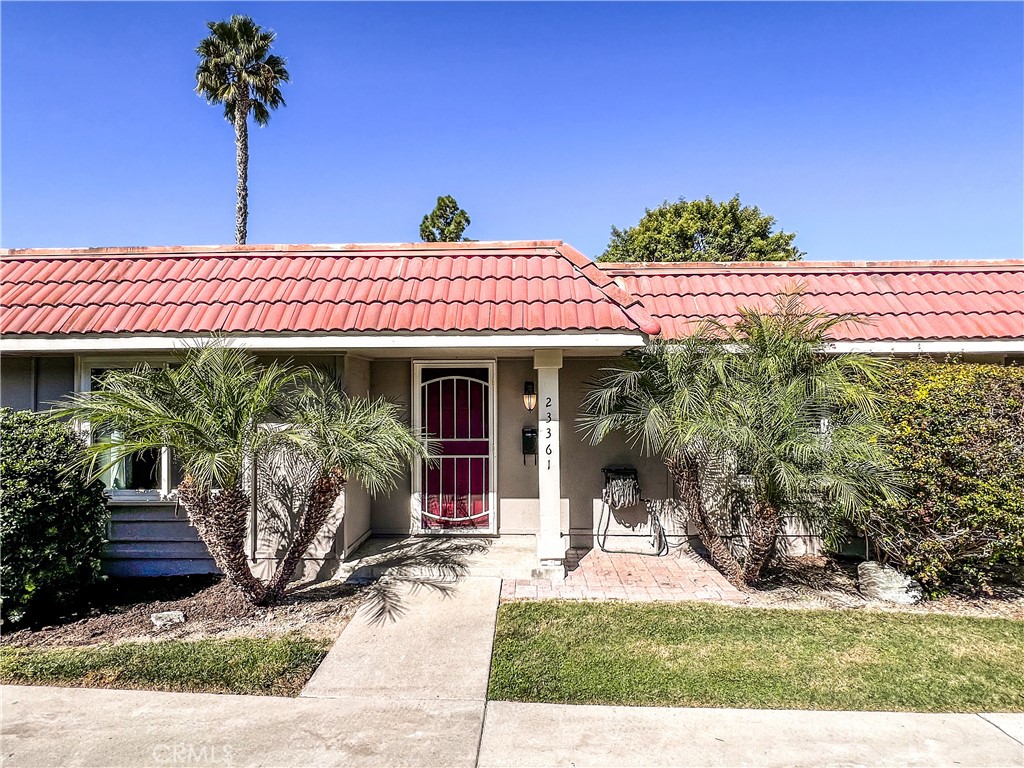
(597, 575)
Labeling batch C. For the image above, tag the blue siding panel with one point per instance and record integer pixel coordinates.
(154, 540)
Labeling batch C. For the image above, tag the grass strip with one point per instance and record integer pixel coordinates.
(694, 655)
(277, 666)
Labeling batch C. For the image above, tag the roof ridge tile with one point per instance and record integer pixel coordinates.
(629, 304)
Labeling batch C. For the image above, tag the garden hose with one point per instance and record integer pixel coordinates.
(659, 541)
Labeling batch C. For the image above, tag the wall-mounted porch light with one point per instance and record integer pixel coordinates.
(530, 395)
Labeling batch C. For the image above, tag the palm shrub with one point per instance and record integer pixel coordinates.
(759, 399)
(53, 526)
(222, 413)
(956, 430)
(340, 438)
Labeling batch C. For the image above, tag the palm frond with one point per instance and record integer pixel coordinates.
(766, 390)
(235, 64)
(364, 439)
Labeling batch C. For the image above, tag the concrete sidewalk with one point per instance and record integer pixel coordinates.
(63, 727)
(611, 737)
(83, 727)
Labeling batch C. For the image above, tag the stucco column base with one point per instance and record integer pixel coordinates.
(550, 569)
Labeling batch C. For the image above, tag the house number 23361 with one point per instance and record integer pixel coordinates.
(548, 450)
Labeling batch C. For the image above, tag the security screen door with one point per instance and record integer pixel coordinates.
(453, 487)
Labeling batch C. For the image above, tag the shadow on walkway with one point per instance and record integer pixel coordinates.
(409, 565)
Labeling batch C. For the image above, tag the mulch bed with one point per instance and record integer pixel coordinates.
(121, 611)
(825, 582)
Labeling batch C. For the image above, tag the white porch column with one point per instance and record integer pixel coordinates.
(550, 547)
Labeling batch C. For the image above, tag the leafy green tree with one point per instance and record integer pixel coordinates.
(956, 430)
(759, 405)
(236, 69)
(702, 230)
(221, 411)
(444, 224)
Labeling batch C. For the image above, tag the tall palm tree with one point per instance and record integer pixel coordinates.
(761, 403)
(223, 414)
(236, 69)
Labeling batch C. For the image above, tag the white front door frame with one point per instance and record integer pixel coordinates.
(492, 437)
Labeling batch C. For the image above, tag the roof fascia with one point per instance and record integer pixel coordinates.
(483, 246)
(912, 347)
(806, 267)
(89, 344)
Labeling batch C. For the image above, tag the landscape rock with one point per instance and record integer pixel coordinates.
(881, 582)
(167, 618)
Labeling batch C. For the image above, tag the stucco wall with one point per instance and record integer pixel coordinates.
(518, 494)
(165, 540)
(582, 481)
(278, 507)
(517, 490)
(629, 530)
(356, 522)
(390, 512)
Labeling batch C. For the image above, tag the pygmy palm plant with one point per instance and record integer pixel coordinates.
(222, 412)
(760, 399)
(236, 69)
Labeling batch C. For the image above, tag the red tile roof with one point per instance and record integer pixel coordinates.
(964, 300)
(487, 287)
(503, 287)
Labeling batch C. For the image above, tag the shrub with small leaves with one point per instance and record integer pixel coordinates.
(957, 433)
(53, 521)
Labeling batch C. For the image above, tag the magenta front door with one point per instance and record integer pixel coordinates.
(455, 483)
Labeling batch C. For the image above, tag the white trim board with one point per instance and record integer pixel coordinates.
(322, 343)
(988, 346)
(144, 344)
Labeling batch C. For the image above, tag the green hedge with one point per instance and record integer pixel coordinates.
(53, 525)
(957, 432)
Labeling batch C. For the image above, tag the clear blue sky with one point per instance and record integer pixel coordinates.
(875, 130)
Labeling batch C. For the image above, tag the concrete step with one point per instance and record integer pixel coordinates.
(513, 557)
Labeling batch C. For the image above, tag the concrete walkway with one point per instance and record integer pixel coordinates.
(409, 692)
(439, 647)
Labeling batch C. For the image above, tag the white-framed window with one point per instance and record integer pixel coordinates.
(146, 476)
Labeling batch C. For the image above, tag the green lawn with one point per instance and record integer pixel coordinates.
(271, 666)
(696, 655)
